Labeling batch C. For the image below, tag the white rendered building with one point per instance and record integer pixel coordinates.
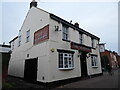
(49, 49)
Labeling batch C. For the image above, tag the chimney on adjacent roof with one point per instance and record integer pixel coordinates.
(33, 4)
(76, 24)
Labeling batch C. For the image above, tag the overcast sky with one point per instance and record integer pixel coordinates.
(98, 18)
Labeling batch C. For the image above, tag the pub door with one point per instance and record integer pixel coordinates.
(30, 71)
(83, 65)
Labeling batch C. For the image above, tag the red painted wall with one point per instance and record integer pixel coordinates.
(41, 35)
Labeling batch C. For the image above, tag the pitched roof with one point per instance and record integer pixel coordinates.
(13, 39)
(69, 24)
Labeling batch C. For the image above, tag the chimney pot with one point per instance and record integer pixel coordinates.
(76, 24)
(33, 4)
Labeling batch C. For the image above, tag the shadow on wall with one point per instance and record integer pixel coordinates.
(5, 63)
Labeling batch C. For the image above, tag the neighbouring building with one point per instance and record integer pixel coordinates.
(49, 48)
(5, 56)
(118, 59)
(108, 57)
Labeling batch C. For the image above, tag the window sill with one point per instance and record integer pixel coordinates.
(66, 68)
(94, 66)
(66, 40)
(93, 48)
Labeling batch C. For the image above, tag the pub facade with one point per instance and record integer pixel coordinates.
(49, 48)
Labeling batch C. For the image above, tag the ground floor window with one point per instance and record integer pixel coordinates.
(94, 60)
(65, 60)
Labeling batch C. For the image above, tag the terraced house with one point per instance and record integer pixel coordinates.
(49, 48)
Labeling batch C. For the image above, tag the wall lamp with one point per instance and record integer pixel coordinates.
(52, 50)
(88, 55)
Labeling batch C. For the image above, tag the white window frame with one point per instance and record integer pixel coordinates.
(65, 32)
(81, 38)
(27, 36)
(19, 40)
(94, 60)
(69, 59)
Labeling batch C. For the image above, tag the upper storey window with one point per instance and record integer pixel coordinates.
(81, 38)
(65, 32)
(28, 36)
(93, 43)
(19, 40)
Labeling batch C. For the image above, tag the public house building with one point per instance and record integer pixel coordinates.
(49, 48)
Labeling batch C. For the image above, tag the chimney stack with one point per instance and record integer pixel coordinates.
(76, 24)
(33, 4)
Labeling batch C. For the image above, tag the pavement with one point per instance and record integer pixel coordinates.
(103, 81)
(17, 83)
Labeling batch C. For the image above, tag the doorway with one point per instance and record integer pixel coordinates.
(83, 64)
(30, 71)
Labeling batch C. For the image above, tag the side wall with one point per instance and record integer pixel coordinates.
(35, 20)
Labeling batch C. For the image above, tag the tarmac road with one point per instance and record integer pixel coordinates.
(105, 81)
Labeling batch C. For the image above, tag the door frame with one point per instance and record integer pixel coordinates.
(84, 70)
(26, 70)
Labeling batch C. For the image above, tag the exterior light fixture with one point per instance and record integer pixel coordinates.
(52, 49)
(88, 55)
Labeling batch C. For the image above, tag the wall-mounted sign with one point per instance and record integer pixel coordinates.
(41, 35)
(80, 47)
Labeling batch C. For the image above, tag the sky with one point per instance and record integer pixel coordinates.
(98, 18)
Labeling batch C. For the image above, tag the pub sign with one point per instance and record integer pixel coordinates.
(41, 35)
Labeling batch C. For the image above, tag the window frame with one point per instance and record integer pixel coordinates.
(19, 41)
(69, 58)
(27, 36)
(65, 32)
(81, 39)
(92, 43)
(94, 60)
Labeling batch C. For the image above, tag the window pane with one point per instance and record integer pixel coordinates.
(27, 35)
(65, 33)
(94, 60)
(70, 62)
(60, 60)
(19, 42)
(65, 62)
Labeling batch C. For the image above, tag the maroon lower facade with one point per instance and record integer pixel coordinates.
(80, 47)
